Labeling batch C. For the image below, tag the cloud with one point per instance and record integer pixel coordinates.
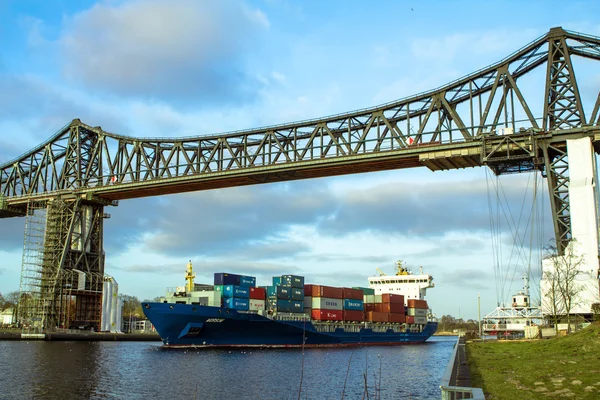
(187, 52)
(467, 277)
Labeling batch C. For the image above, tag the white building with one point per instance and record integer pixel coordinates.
(6, 317)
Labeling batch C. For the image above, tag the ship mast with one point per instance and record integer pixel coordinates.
(189, 277)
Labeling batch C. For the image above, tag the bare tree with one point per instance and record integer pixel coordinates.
(562, 287)
(554, 304)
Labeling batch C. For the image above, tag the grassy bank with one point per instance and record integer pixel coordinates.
(562, 367)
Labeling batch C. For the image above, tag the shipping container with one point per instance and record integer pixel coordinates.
(292, 281)
(414, 303)
(369, 298)
(354, 315)
(410, 319)
(369, 306)
(236, 291)
(355, 294)
(297, 294)
(249, 281)
(283, 292)
(421, 320)
(366, 290)
(416, 312)
(256, 305)
(258, 293)
(327, 315)
(374, 316)
(282, 305)
(323, 291)
(236, 303)
(351, 304)
(389, 308)
(219, 289)
(296, 306)
(272, 291)
(377, 298)
(276, 281)
(392, 298)
(325, 303)
(223, 278)
(289, 306)
(397, 318)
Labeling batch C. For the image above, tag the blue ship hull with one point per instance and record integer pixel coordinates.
(186, 325)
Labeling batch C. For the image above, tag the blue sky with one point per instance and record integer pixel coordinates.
(183, 68)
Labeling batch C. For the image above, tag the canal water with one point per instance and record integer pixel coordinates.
(145, 370)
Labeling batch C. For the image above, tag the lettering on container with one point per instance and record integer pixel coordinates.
(215, 320)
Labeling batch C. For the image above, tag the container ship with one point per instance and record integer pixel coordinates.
(234, 312)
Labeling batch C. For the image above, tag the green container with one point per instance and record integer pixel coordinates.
(219, 289)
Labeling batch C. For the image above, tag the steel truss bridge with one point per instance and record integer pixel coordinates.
(482, 119)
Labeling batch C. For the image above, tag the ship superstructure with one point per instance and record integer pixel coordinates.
(403, 283)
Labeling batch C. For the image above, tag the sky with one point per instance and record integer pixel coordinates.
(164, 68)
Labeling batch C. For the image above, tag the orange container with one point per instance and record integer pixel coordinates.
(410, 319)
(352, 294)
(392, 298)
(395, 308)
(323, 291)
(374, 316)
(413, 303)
(369, 307)
(397, 318)
(354, 315)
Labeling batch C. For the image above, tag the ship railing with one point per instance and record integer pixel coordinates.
(450, 378)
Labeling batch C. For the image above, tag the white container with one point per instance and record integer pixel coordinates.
(325, 303)
(377, 298)
(417, 312)
(421, 320)
(256, 305)
(369, 298)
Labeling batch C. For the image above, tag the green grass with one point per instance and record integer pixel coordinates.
(557, 368)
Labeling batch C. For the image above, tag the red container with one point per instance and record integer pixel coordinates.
(352, 294)
(354, 315)
(369, 307)
(374, 316)
(395, 308)
(323, 291)
(410, 319)
(397, 318)
(414, 303)
(327, 315)
(392, 298)
(257, 293)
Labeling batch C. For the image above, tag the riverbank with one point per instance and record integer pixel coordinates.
(561, 367)
(80, 336)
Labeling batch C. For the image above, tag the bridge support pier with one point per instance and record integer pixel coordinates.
(63, 265)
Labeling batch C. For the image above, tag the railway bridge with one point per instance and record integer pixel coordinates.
(63, 186)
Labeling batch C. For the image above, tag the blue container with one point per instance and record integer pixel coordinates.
(284, 292)
(236, 304)
(296, 306)
(292, 281)
(350, 304)
(284, 305)
(248, 281)
(276, 281)
(223, 278)
(236, 291)
(297, 294)
(272, 291)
